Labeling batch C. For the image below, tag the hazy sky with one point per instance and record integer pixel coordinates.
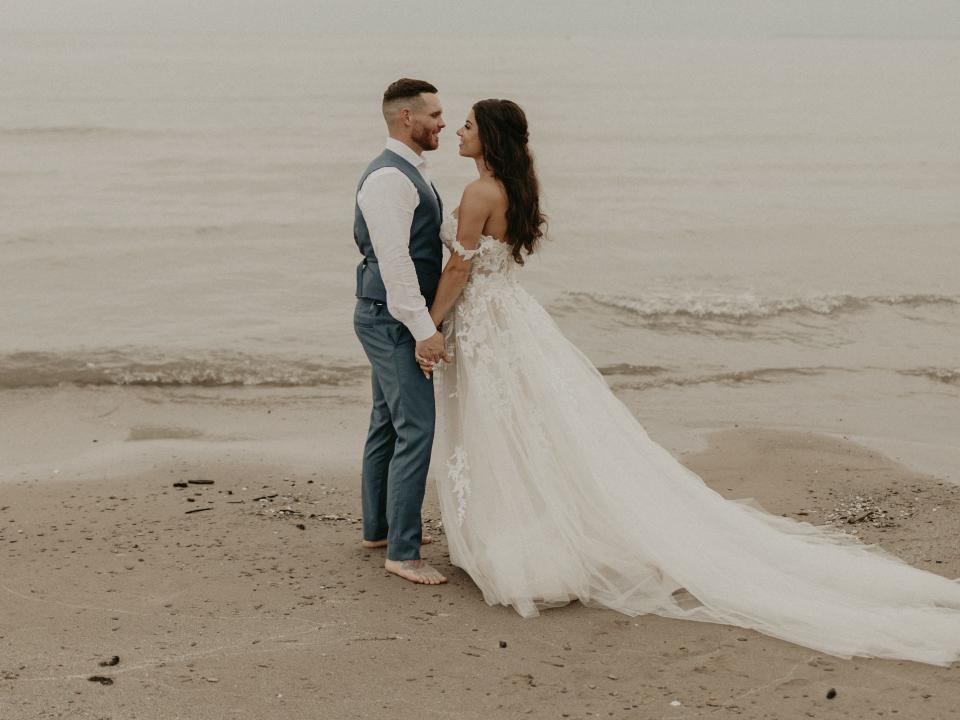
(752, 18)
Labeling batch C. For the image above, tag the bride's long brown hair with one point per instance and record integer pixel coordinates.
(502, 126)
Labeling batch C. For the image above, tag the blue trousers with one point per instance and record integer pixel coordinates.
(400, 439)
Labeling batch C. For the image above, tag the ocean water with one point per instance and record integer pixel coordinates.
(177, 210)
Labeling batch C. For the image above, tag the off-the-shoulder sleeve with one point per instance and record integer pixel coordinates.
(459, 249)
(448, 234)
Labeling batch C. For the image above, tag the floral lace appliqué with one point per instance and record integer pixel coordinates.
(457, 247)
(457, 469)
(491, 257)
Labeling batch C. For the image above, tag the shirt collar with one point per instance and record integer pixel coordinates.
(405, 152)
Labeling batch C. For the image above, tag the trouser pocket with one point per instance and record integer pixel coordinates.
(368, 313)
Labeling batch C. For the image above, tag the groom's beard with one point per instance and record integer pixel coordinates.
(425, 139)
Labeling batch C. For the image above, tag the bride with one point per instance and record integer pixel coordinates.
(552, 490)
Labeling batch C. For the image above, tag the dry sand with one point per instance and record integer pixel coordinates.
(268, 608)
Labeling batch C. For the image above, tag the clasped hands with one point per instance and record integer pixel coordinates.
(431, 352)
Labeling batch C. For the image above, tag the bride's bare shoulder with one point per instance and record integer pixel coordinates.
(483, 192)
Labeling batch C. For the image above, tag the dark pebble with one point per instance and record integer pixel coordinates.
(102, 679)
(115, 660)
(503, 643)
(301, 526)
(180, 484)
(831, 694)
(200, 482)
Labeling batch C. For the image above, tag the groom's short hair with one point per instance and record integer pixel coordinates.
(407, 88)
(403, 92)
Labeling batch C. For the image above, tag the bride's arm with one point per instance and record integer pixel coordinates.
(474, 210)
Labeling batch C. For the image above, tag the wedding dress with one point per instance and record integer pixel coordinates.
(551, 491)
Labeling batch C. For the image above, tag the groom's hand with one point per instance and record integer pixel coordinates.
(434, 348)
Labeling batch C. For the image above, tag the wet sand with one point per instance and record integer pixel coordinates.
(262, 604)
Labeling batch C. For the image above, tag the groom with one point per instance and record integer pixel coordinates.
(397, 228)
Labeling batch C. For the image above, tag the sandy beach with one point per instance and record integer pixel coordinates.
(208, 538)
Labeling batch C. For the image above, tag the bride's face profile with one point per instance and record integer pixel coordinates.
(470, 137)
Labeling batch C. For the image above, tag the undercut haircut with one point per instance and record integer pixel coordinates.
(407, 88)
(404, 92)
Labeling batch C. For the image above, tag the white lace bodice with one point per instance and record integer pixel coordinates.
(491, 256)
(491, 288)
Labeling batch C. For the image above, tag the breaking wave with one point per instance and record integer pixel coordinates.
(732, 377)
(944, 375)
(743, 307)
(33, 369)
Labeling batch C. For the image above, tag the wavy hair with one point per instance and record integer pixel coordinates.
(502, 127)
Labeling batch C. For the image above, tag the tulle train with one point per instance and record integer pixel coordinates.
(551, 491)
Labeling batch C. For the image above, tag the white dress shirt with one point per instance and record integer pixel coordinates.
(387, 200)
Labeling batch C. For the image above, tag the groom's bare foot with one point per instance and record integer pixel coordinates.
(416, 571)
(370, 544)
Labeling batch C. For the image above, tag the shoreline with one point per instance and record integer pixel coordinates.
(237, 612)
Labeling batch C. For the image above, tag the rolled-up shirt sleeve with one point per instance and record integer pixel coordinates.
(388, 200)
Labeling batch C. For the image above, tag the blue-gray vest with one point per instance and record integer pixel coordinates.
(426, 250)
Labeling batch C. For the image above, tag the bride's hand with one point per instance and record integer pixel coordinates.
(426, 366)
